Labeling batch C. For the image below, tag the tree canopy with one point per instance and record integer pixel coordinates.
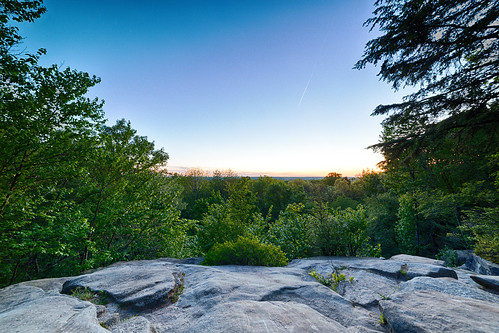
(450, 50)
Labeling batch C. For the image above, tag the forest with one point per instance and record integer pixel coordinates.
(77, 194)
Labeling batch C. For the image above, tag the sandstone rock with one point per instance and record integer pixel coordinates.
(447, 286)
(491, 282)
(51, 314)
(366, 288)
(169, 295)
(253, 316)
(417, 259)
(48, 285)
(139, 283)
(134, 325)
(207, 286)
(13, 296)
(462, 256)
(481, 266)
(432, 311)
(394, 269)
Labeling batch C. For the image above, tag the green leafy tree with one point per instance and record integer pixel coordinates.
(47, 129)
(122, 166)
(230, 219)
(342, 232)
(290, 232)
(448, 48)
(440, 138)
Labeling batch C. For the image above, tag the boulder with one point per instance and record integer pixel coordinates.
(16, 295)
(365, 288)
(447, 286)
(207, 286)
(140, 283)
(433, 311)
(48, 313)
(479, 265)
(491, 282)
(417, 259)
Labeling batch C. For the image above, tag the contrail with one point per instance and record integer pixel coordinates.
(305, 90)
(315, 64)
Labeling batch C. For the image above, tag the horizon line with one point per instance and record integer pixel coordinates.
(208, 171)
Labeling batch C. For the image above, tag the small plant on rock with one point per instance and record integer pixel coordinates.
(331, 280)
(382, 319)
(86, 294)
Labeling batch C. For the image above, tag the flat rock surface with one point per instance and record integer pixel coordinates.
(433, 311)
(421, 260)
(168, 295)
(447, 286)
(260, 317)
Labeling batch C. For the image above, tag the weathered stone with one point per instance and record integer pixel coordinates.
(488, 281)
(48, 285)
(432, 311)
(15, 295)
(462, 256)
(207, 286)
(394, 269)
(51, 314)
(253, 299)
(366, 288)
(481, 266)
(447, 286)
(109, 319)
(137, 324)
(253, 316)
(138, 283)
(417, 259)
(416, 269)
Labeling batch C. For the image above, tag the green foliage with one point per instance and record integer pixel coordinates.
(406, 226)
(230, 219)
(74, 194)
(332, 280)
(449, 256)
(438, 142)
(342, 232)
(382, 319)
(382, 211)
(86, 294)
(245, 251)
(290, 232)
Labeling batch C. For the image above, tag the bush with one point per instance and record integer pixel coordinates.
(245, 251)
(449, 256)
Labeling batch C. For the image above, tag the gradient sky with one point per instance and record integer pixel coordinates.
(257, 86)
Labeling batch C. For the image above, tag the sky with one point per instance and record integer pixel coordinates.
(261, 87)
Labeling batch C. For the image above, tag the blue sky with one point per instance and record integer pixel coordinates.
(260, 87)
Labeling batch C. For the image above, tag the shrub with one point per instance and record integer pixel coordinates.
(245, 251)
(449, 256)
